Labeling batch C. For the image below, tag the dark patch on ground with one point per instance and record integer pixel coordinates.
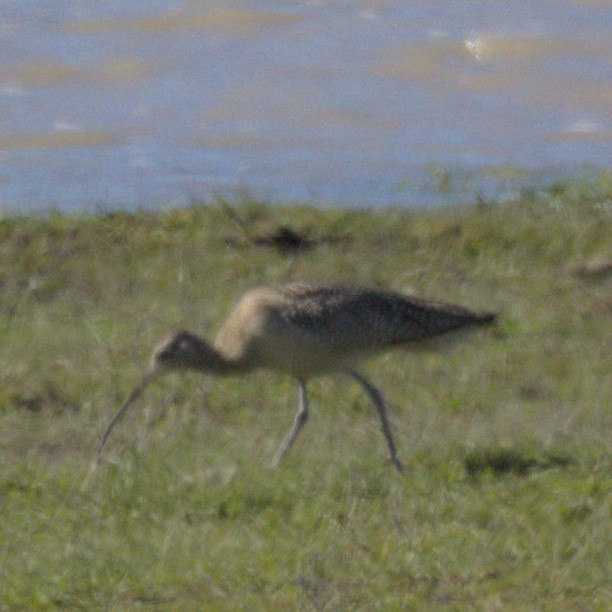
(285, 239)
(501, 461)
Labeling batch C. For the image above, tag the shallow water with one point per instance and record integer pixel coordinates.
(143, 103)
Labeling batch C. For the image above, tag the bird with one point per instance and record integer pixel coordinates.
(306, 330)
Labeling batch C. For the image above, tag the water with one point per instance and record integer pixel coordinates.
(147, 103)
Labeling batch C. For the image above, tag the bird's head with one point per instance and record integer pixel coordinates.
(182, 351)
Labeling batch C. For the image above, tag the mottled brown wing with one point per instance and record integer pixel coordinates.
(368, 318)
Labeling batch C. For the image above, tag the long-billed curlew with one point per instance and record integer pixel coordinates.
(308, 330)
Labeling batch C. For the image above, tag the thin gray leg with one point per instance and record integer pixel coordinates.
(300, 419)
(377, 399)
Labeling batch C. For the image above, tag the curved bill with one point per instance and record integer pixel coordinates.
(136, 392)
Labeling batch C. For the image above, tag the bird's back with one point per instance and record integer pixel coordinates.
(370, 317)
(299, 327)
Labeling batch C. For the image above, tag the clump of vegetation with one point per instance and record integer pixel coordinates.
(184, 512)
(509, 461)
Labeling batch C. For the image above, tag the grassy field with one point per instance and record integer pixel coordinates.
(505, 502)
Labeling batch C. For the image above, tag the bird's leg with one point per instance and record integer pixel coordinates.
(300, 419)
(377, 399)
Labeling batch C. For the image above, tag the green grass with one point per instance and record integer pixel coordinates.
(505, 435)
